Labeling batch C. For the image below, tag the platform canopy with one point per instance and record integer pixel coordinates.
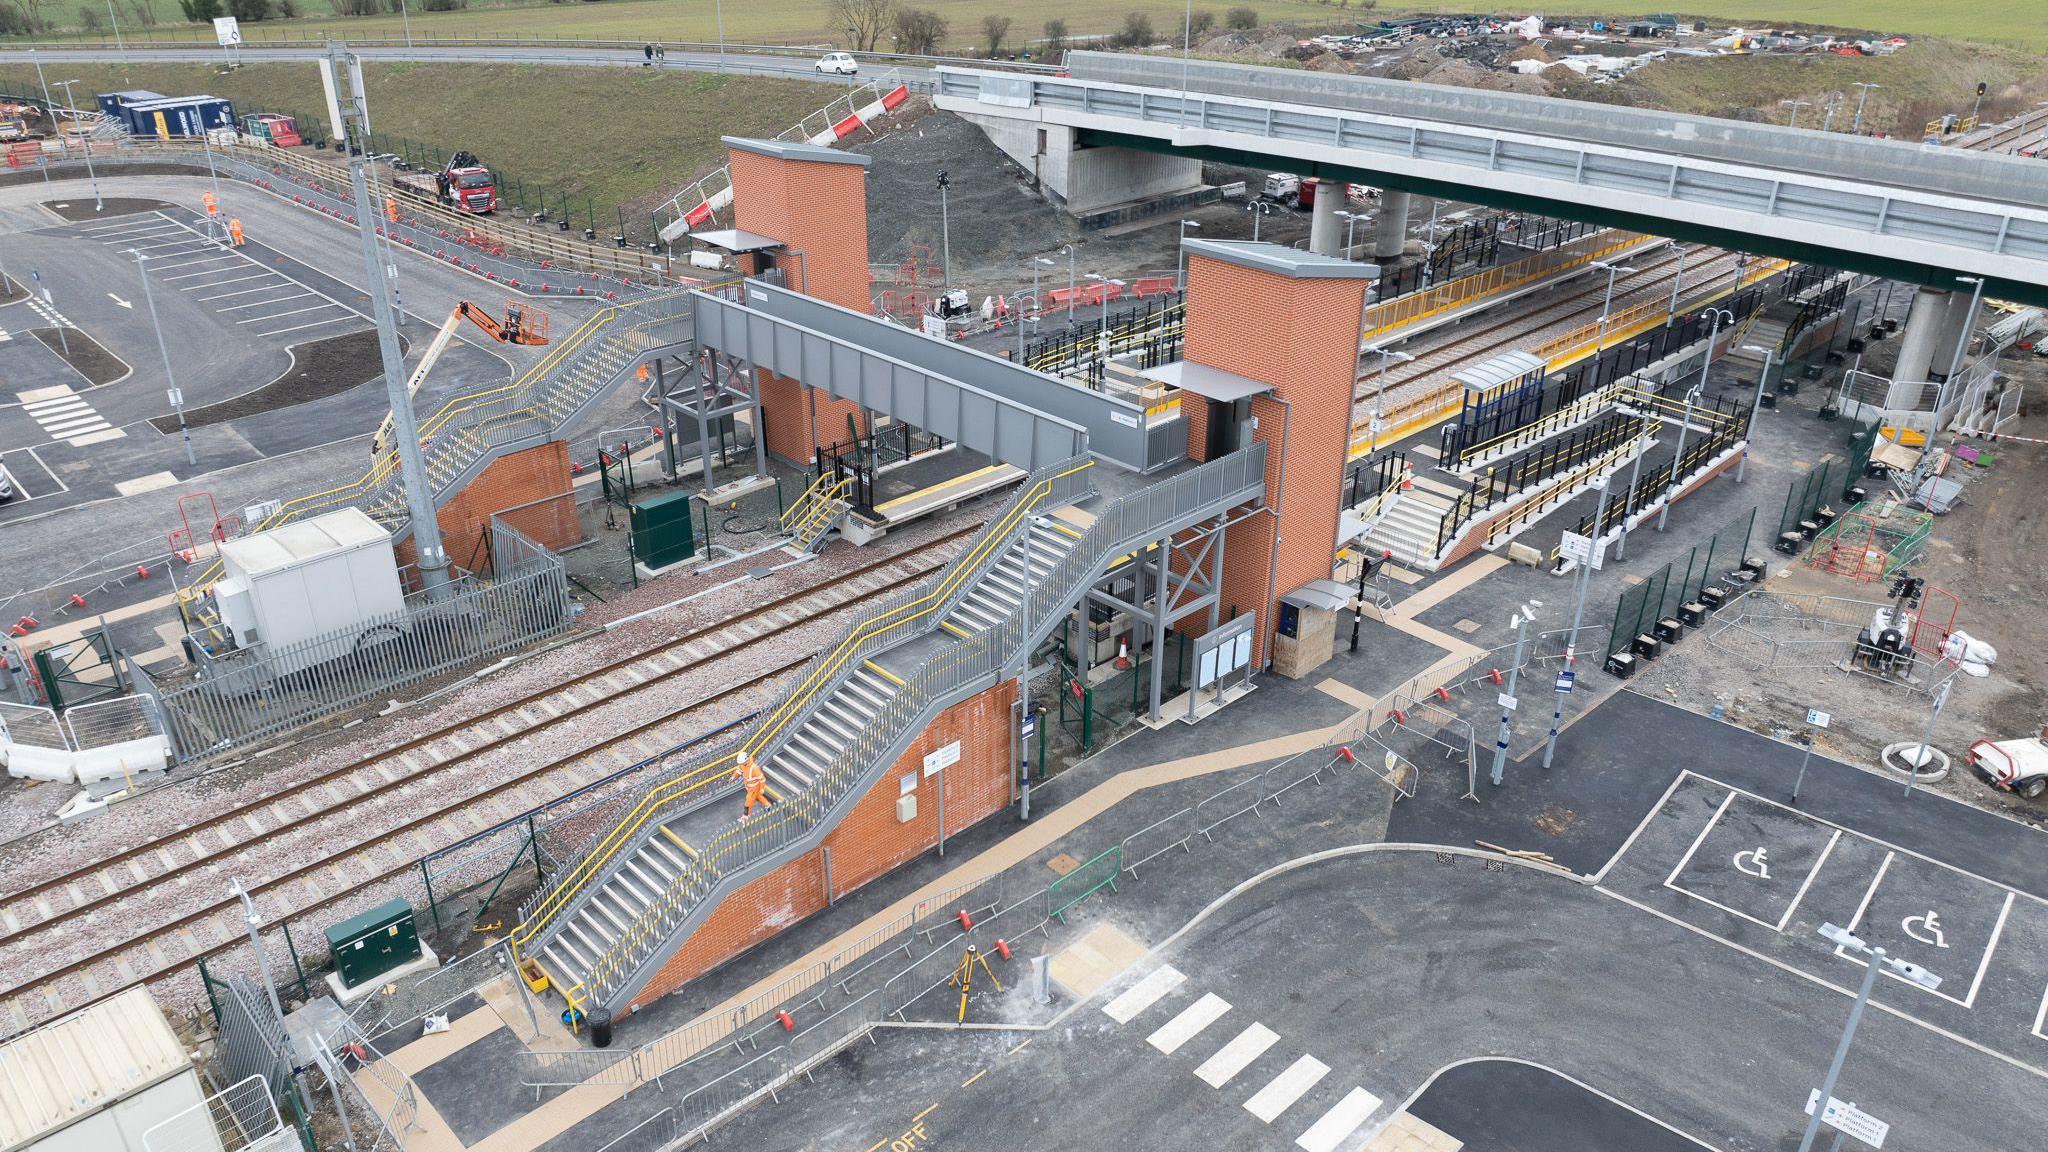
(1505, 368)
(736, 240)
(1202, 380)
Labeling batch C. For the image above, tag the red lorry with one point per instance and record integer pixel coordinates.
(463, 184)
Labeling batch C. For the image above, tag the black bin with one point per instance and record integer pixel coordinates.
(1712, 597)
(1692, 614)
(600, 1028)
(1621, 664)
(1669, 629)
(1647, 646)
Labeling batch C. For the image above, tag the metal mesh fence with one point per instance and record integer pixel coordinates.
(1810, 491)
(1641, 606)
(261, 691)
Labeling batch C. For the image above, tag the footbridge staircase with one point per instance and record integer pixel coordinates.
(469, 431)
(604, 924)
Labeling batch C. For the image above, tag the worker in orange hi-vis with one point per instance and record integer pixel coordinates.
(235, 231)
(391, 209)
(749, 774)
(212, 205)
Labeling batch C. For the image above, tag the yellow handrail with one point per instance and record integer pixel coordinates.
(1385, 317)
(770, 726)
(1528, 508)
(383, 467)
(816, 502)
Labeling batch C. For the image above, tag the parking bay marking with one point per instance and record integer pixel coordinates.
(1753, 862)
(1935, 938)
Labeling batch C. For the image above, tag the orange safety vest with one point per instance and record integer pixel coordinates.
(391, 209)
(750, 775)
(212, 205)
(235, 230)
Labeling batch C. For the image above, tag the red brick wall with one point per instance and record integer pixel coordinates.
(1300, 336)
(509, 482)
(820, 212)
(1195, 410)
(868, 841)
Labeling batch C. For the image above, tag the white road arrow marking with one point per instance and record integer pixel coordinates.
(118, 300)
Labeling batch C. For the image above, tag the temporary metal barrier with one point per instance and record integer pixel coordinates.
(403, 1002)
(1094, 874)
(247, 696)
(249, 1044)
(117, 721)
(32, 725)
(242, 1115)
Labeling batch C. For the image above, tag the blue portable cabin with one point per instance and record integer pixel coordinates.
(183, 115)
(115, 104)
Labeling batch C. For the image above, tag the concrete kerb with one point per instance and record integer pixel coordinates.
(1152, 954)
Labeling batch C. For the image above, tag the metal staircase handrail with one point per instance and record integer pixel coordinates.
(478, 419)
(1134, 518)
(789, 713)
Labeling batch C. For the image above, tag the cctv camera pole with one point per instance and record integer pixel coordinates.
(1827, 1086)
(945, 234)
(426, 530)
(1507, 701)
(255, 924)
(84, 142)
(1857, 127)
(177, 397)
(1571, 643)
(1926, 750)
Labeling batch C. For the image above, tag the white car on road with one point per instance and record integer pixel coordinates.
(838, 63)
(2013, 765)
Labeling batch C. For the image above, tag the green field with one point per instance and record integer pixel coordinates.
(2014, 23)
(613, 135)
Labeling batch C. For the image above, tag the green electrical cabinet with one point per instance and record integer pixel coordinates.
(662, 532)
(369, 944)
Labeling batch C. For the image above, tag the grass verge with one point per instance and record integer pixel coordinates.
(2012, 23)
(613, 136)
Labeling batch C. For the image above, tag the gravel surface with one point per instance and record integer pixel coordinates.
(1986, 553)
(998, 223)
(27, 861)
(479, 790)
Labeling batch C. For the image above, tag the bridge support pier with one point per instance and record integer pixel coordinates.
(1955, 327)
(1390, 228)
(1325, 238)
(1922, 334)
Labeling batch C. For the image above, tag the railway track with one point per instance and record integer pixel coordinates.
(1525, 327)
(138, 915)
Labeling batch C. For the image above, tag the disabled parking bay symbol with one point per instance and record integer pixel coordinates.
(1754, 862)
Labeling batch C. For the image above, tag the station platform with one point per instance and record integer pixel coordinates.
(925, 485)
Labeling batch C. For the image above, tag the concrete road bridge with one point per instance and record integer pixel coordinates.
(1121, 127)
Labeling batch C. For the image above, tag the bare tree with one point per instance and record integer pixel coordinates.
(918, 31)
(864, 21)
(25, 16)
(1055, 37)
(1136, 32)
(994, 31)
